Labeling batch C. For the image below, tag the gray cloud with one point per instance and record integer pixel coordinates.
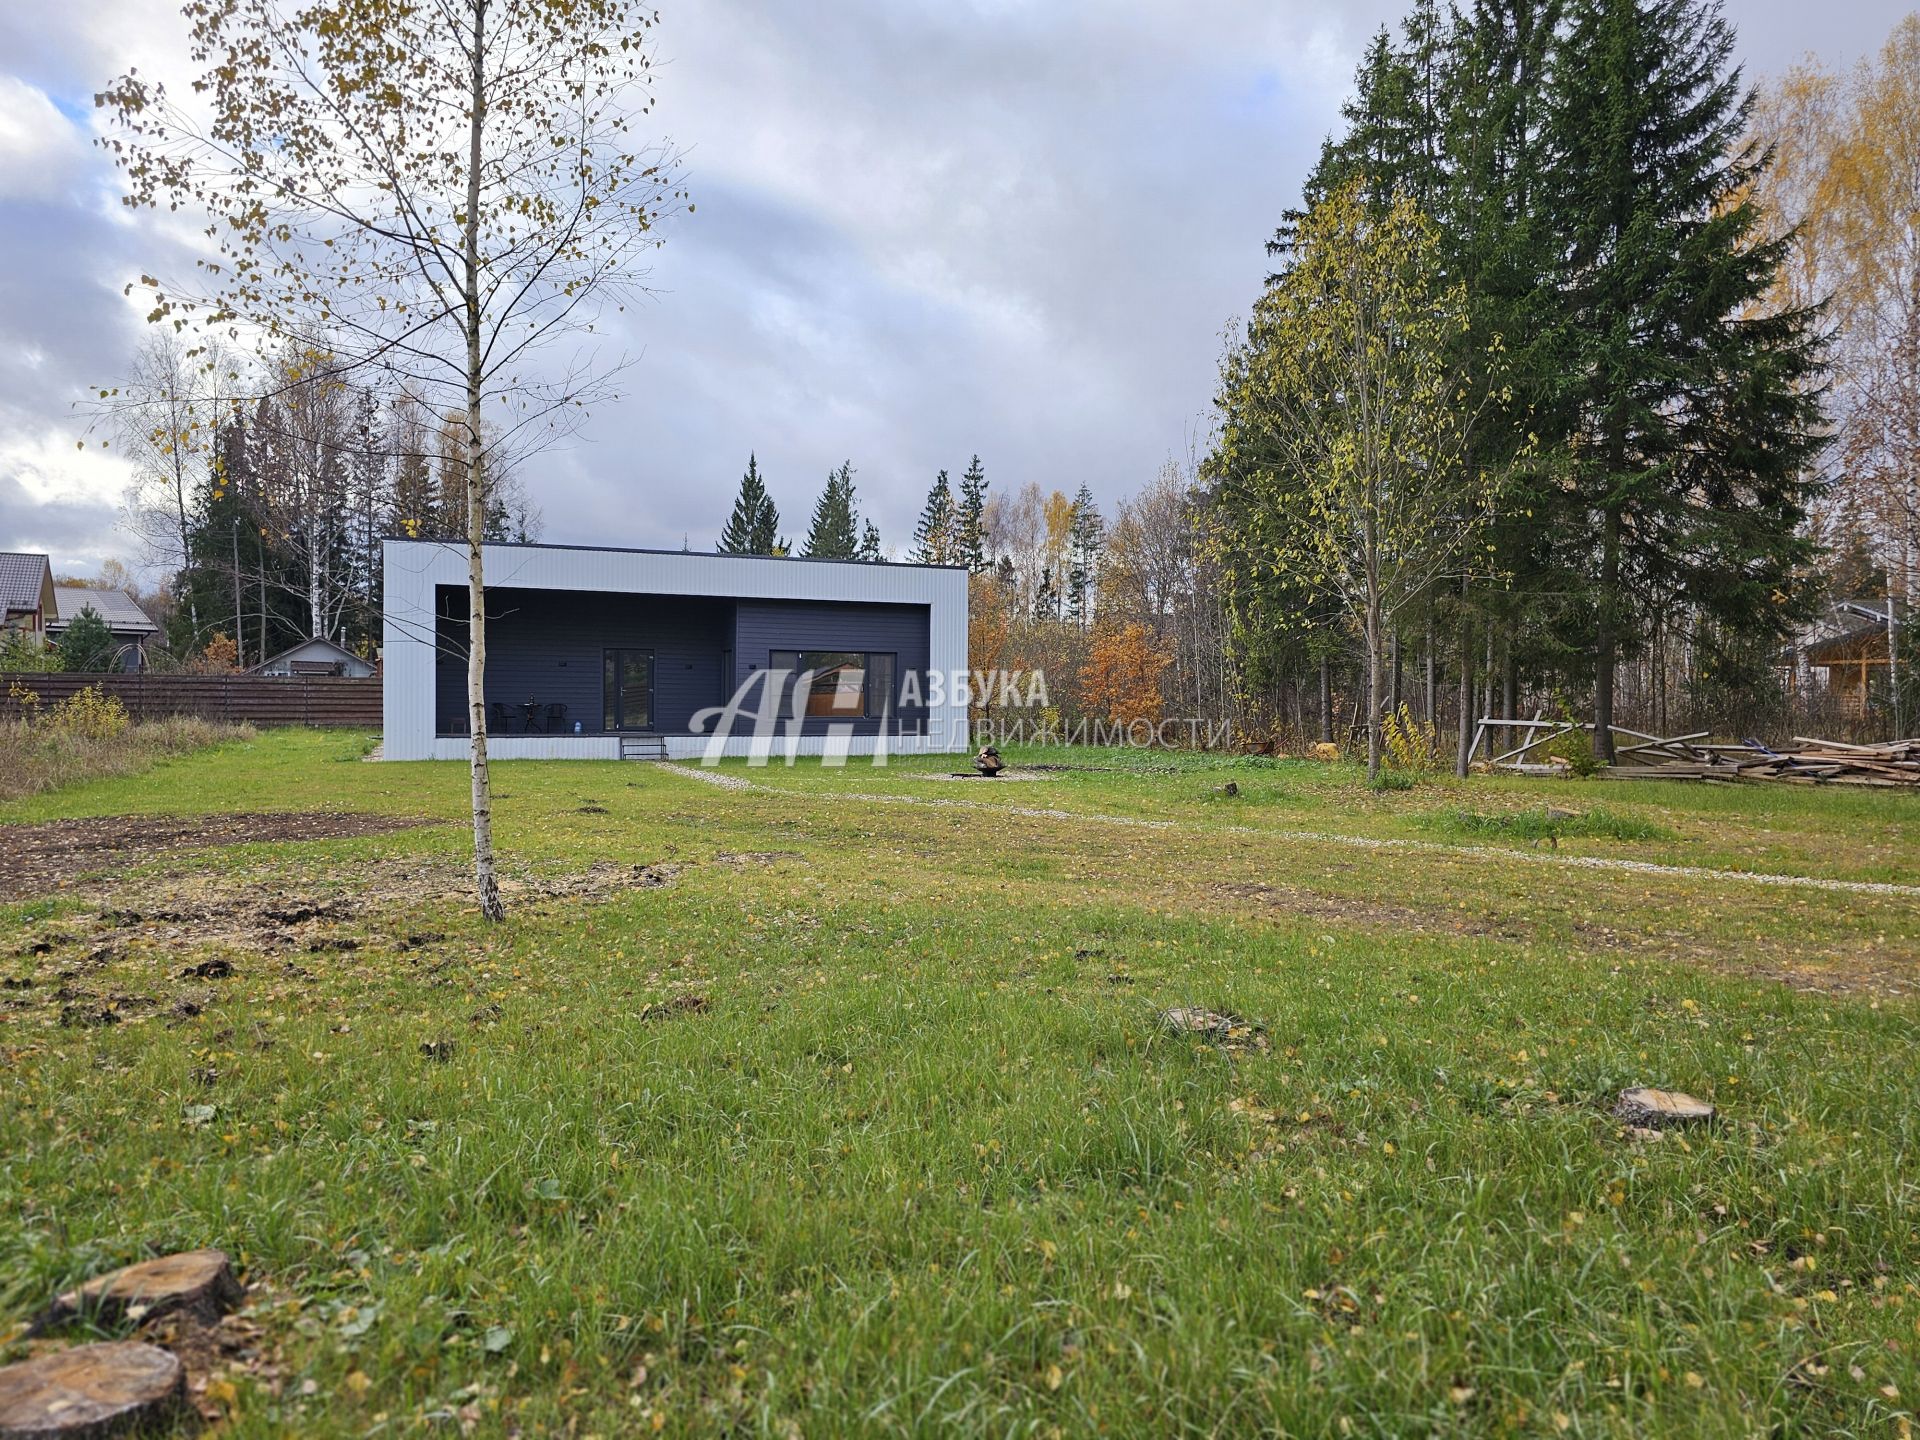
(922, 231)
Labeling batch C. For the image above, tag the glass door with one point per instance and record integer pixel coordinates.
(628, 690)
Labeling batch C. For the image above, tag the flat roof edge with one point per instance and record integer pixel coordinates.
(683, 554)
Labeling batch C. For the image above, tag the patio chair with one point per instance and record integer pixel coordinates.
(556, 719)
(502, 718)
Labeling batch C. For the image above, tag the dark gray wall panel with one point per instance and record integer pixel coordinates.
(549, 646)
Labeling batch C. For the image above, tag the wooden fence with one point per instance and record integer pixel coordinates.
(236, 699)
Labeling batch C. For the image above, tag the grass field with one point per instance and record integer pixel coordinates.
(837, 1104)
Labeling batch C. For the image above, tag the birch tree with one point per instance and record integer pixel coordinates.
(166, 416)
(1349, 407)
(450, 191)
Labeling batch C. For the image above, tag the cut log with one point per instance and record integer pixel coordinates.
(1661, 1109)
(198, 1282)
(91, 1391)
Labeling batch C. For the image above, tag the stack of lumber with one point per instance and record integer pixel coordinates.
(1806, 762)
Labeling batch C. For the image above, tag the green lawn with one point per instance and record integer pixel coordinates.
(862, 1123)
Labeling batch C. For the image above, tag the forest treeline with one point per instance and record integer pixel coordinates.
(1586, 378)
(263, 493)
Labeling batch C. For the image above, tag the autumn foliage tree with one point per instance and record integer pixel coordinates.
(445, 193)
(1349, 409)
(1843, 195)
(1121, 677)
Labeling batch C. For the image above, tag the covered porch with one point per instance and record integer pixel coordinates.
(593, 675)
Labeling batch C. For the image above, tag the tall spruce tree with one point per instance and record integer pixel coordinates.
(834, 533)
(1086, 536)
(1692, 407)
(754, 526)
(1394, 135)
(934, 540)
(1500, 241)
(970, 522)
(869, 542)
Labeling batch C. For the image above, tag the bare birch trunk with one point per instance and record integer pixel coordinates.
(485, 880)
(1376, 680)
(1605, 645)
(1432, 714)
(1463, 753)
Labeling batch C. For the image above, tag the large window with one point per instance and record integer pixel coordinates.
(841, 684)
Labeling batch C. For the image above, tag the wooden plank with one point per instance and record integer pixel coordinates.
(1562, 728)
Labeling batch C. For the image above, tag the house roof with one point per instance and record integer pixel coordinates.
(310, 644)
(116, 607)
(24, 580)
(697, 554)
(1862, 642)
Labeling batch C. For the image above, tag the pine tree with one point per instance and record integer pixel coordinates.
(971, 518)
(87, 643)
(1046, 601)
(1086, 537)
(1692, 407)
(934, 538)
(870, 542)
(834, 532)
(755, 522)
(1395, 125)
(1499, 240)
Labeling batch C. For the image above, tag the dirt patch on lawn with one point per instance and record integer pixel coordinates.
(1834, 968)
(1317, 905)
(173, 947)
(52, 856)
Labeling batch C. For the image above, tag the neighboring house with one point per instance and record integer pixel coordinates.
(26, 593)
(315, 657)
(596, 653)
(1850, 657)
(132, 627)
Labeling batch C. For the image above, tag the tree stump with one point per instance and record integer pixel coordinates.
(1652, 1109)
(199, 1283)
(91, 1391)
(1191, 1020)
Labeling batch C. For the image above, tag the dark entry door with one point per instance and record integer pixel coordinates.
(628, 690)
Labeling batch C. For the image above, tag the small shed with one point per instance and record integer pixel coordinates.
(315, 657)
(1849, 659)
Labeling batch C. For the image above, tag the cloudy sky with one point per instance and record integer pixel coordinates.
(1016, 227)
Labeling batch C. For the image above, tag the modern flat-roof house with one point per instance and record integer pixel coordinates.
(596, 653)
